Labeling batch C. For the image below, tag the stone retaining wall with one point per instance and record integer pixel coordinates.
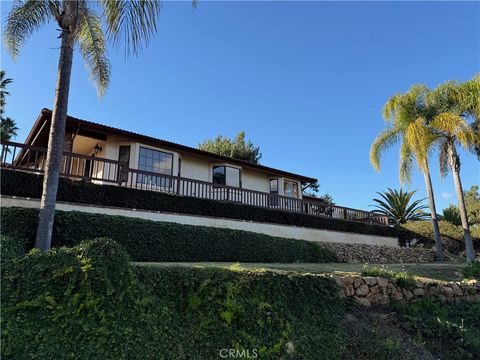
(370, 291)
(355, 253)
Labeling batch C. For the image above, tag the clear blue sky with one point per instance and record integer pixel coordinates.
(306, 81)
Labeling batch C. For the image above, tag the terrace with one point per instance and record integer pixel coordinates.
(74, 166)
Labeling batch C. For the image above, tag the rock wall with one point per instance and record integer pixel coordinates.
(372, 254)
(368, 290)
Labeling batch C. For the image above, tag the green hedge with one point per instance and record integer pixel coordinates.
(86, 302)
(423, 232)
(147, 240)
(108, 195)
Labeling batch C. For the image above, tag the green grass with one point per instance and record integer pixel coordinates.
(437, 271)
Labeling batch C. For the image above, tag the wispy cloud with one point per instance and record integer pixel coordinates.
(446, 195)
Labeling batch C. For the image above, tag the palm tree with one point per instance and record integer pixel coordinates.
(406, 115)
(133, 22)
(8, 129)
(3, 92)
(455, 102)
(451, 214)
(396, 205)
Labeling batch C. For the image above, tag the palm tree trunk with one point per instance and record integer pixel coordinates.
(433, 211)
(455, 165)
(55, 144)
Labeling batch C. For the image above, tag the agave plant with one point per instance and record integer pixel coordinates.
(397, 205)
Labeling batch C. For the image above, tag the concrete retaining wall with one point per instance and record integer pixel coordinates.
(289, 232)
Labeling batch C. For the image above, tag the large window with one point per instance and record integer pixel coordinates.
(155, 161)
(225, 175)
(290, 189)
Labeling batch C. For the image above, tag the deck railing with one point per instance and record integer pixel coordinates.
(24, 157)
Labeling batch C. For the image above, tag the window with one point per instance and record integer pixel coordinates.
(290, 189)
(274, 186)
(225, 175)
(155, 161)
(124, 155)
(273, 200)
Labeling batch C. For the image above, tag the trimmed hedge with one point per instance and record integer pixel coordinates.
(87, 302)
(118, 196)
(422, 231)
(154, 241)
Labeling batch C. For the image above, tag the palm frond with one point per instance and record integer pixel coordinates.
(396, 204)
(454, 127)
(406, 162)
(94, 49)
(131, 22)
(25, 17)
(383, 141)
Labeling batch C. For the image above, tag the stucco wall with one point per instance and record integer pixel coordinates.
(192, 167)
(284, 231)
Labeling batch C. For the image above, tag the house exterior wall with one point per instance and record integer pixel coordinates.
(191, 167)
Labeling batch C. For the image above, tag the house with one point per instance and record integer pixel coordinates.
(106, 155)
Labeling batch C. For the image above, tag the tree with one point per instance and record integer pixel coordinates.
(235, 148)
(397, 205)
(451, 214)
(406, 116)
(472, 203)
(454, 103)
(132, 22)
(8, 128)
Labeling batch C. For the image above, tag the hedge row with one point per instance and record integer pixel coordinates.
(422, 232)
(17, 183)
(86, 302)
(147, 240)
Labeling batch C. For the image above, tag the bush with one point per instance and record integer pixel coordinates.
(118, 196)
(404, 279)
(422, 231)
(146, 240)
(11, 248)
(56, 305)
(472, 271)
(449, 331)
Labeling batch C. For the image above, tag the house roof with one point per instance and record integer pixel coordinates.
(39, 136)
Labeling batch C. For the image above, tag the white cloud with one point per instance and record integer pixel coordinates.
(446, 195)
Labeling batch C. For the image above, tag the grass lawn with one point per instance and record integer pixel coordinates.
(446, 271)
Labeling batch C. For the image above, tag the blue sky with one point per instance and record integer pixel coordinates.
(306, 81)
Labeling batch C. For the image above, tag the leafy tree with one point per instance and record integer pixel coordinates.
(8, 128)
(472, 203)
(406, 115)
(454, 103)
(452, 215)
(397, 205)
(87, 24)
(236, 148)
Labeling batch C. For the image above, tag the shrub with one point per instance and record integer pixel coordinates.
(404, 279)
(472, 271)
(118, 196)
(146, 240)
(11, 248)
(56, 305)
(422, 231)
(449, 331)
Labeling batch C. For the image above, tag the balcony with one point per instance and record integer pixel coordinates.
(22, 157)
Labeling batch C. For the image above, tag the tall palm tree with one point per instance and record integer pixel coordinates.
(406, 115)
(132, 22)
(454, 103)
(399, 209)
